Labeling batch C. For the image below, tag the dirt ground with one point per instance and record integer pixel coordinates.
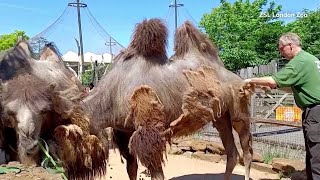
(177, 167)
(28, 173)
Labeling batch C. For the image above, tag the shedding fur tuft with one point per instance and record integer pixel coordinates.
(145, 108)
(82, 156)
(196, 114)
(148, 146)
(205, 100)
(146, 113)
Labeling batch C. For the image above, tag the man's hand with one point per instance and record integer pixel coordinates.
(248, 81)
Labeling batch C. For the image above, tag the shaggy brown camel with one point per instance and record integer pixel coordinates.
(138, 118)
(35, 97)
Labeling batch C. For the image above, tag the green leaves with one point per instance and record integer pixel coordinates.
(307, 27)
(5, 170)
(52, 166)
(9, 40)
(242, 34)
(247, 33)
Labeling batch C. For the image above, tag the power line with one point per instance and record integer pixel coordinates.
(190, 16)
(101, 28)
(53, 24)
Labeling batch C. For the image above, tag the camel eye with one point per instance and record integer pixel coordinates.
(11, 113)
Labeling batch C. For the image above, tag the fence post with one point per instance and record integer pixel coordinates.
(250, 72)
(273, 66)
(242, 73)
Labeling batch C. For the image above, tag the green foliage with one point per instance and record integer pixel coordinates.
(271, 152)
(51, 165)
(87, 76)
(246, 32)
(5, 170)
(9, 40)
(242, 35)
(307, 27)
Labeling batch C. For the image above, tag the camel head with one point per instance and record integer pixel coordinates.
(26, 104)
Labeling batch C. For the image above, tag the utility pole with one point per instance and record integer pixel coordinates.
(81, 62)
(110, 44)
(175, 5)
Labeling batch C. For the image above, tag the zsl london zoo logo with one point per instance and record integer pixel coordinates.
(283, 15)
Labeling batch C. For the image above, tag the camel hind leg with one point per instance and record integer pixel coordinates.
(224, 127)
(122, 140)
(242, 127)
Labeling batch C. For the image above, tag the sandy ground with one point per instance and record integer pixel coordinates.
(179, 167)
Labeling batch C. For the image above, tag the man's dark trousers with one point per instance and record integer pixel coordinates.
(311, 132)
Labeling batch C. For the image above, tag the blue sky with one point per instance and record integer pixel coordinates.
(117, 17)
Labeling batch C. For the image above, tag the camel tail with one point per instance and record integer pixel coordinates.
(149, 40)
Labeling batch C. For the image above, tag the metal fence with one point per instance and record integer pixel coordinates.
(267, 131)
(264, 69)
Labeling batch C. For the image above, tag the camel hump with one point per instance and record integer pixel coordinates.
(188, 37)
(50, 53)
(149, 39)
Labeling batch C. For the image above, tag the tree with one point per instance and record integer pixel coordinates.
(245, 32)
(37, 44)
(8, 41)
(307, 27)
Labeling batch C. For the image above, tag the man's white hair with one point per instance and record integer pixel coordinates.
(290, 37)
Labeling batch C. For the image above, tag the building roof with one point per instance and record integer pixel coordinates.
(89, 57)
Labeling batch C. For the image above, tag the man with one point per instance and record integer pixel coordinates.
(302, 74)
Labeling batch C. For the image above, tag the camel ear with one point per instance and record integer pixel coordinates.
(52, 86)
(3, 87)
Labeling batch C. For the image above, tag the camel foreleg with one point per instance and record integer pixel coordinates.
(121, 139)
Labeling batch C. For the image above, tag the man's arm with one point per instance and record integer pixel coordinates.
(263, 81)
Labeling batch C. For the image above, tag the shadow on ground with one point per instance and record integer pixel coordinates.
(207, 177)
